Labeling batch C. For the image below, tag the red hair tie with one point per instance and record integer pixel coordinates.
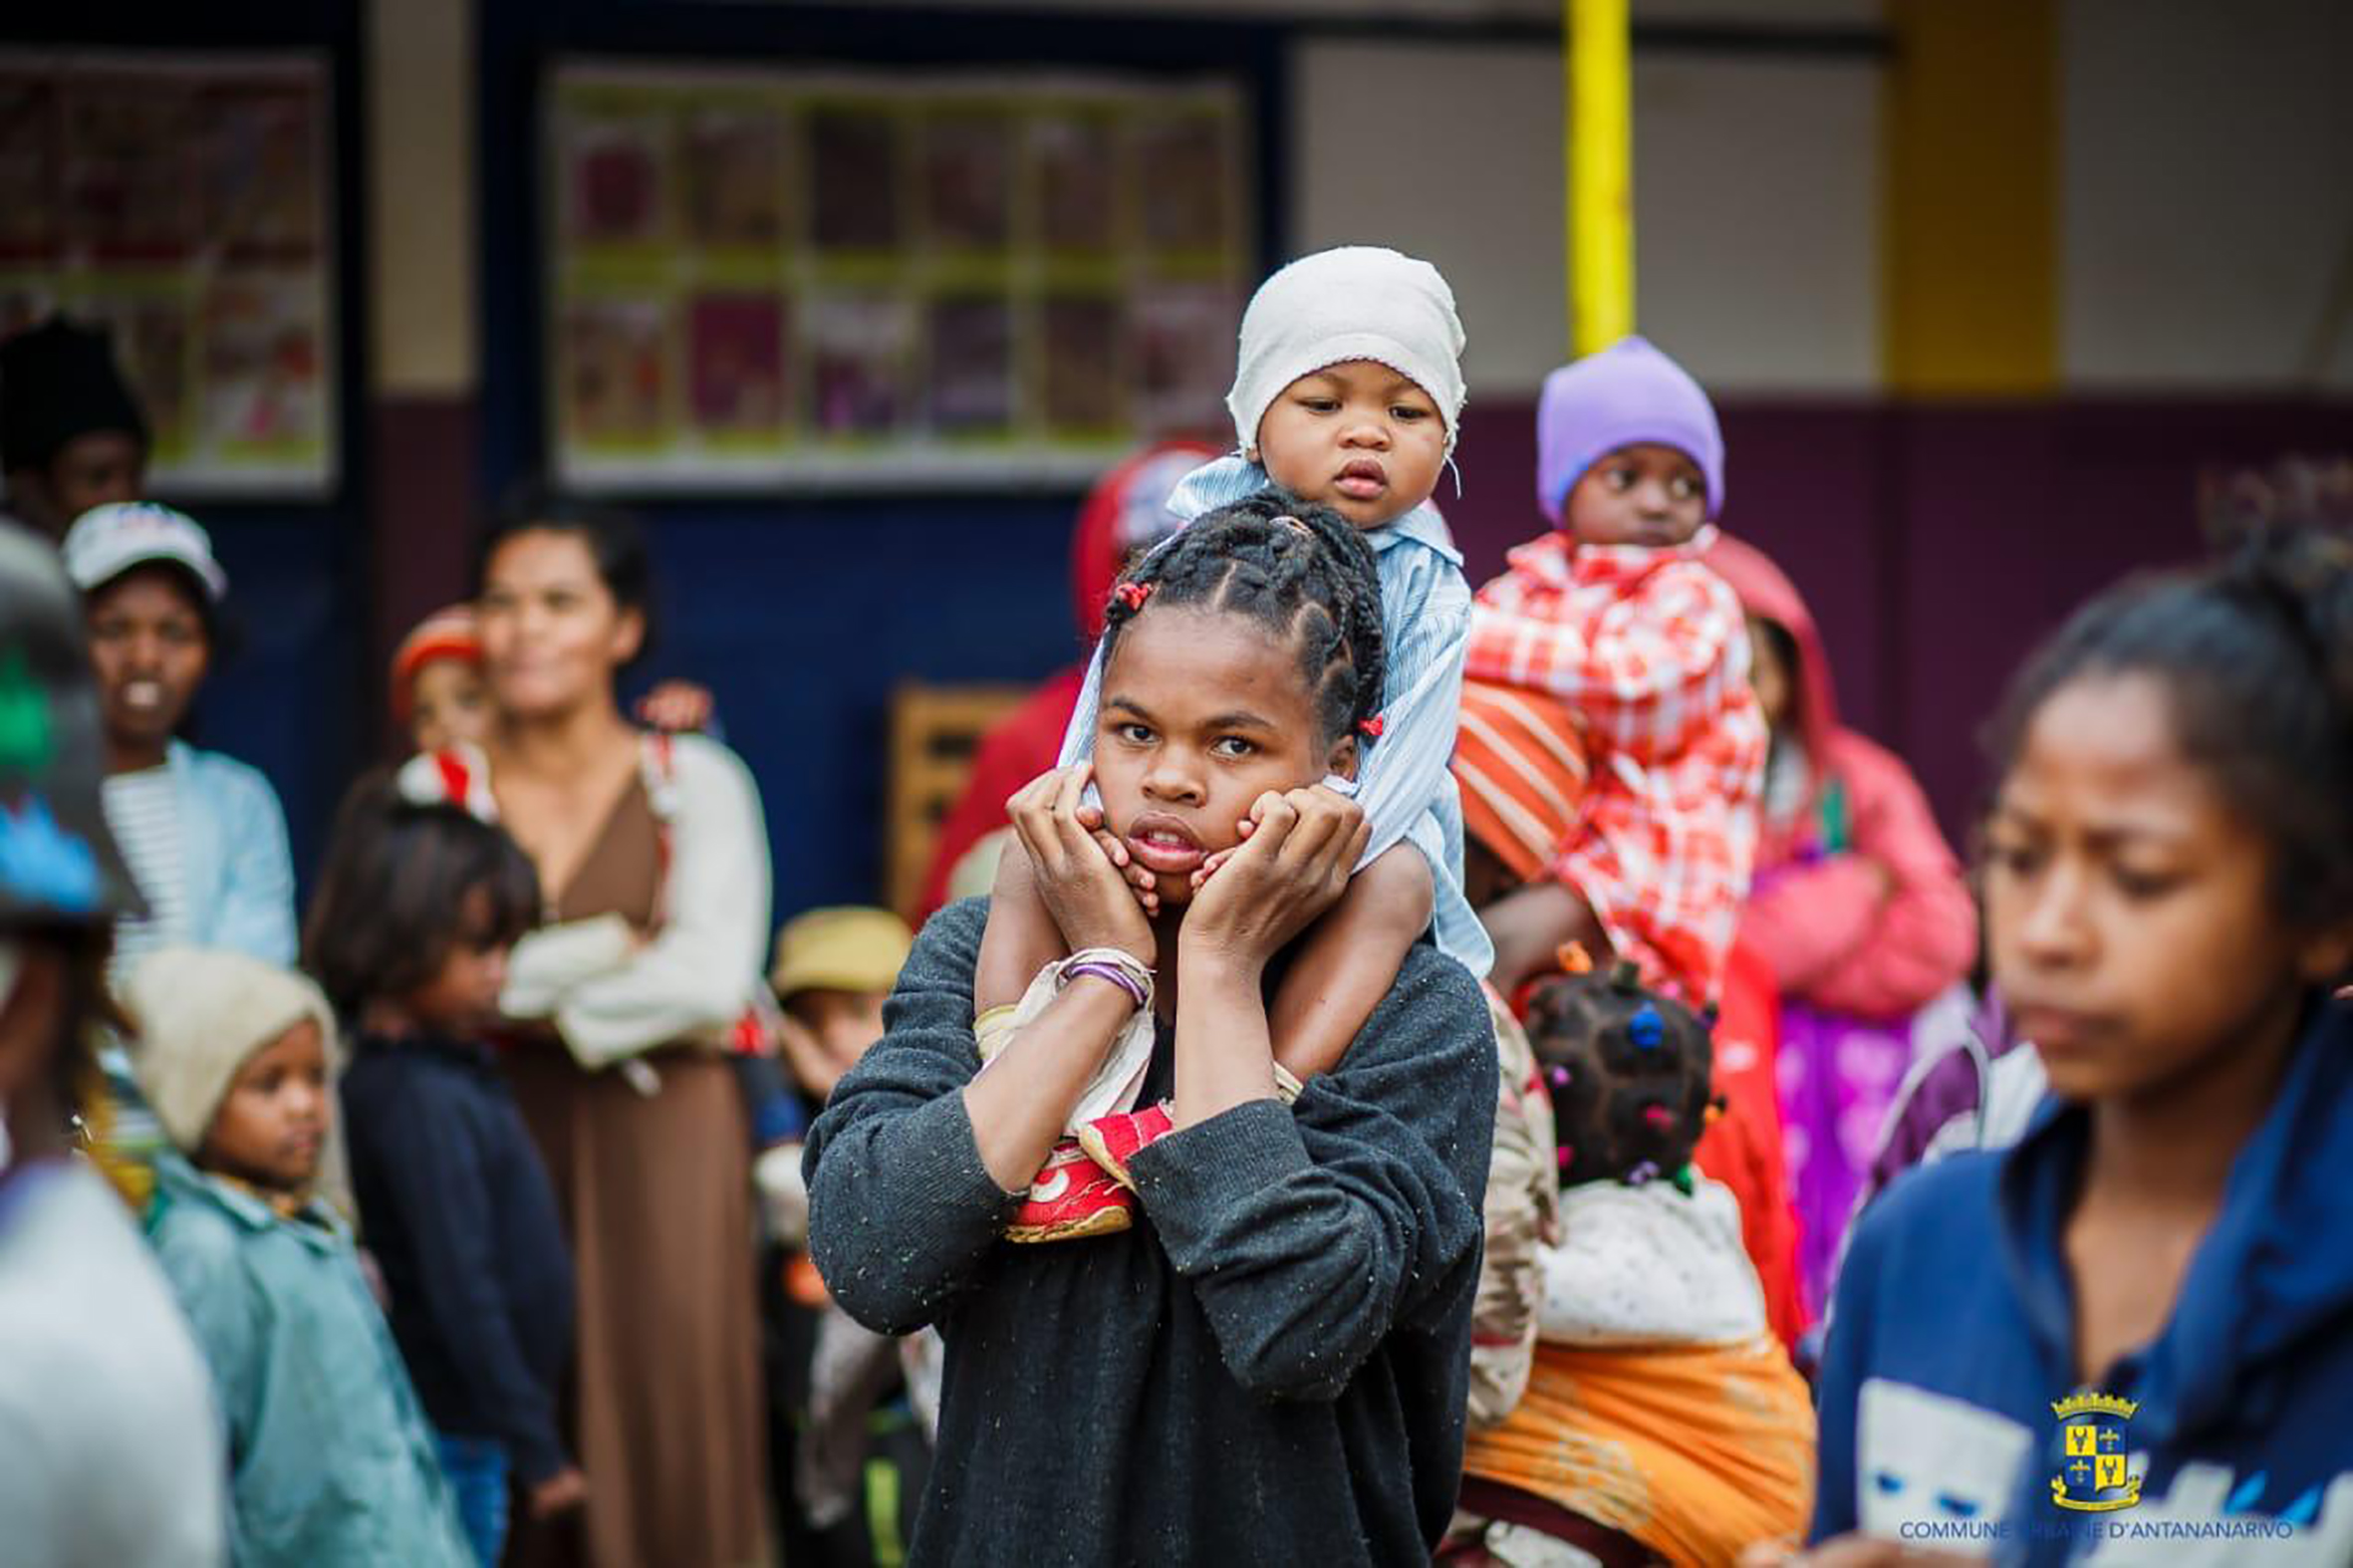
(1370, 726)
(1133, 594)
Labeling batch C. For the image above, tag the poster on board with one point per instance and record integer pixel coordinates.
(184, 206)
(778, 279)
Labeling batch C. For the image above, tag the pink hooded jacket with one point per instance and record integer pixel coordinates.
(1839, 933)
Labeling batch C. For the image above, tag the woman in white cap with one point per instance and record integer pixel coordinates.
(204, 833)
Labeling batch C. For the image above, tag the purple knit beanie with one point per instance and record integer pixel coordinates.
(1627, 393)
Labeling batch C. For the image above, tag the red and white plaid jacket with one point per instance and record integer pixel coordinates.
(1650, 646)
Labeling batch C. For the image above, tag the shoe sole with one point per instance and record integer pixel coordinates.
(1103, 1222)
(1100, 1151)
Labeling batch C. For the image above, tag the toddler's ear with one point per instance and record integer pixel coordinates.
(1343, 758)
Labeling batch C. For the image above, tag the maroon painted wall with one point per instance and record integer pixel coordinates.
(1936, 543)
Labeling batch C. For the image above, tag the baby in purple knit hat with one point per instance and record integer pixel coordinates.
(1616, 614)
(1632, 403)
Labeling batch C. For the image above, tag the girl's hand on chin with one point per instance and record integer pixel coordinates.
(1293, 865)
(1089, 897)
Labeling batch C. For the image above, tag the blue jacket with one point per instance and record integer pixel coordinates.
(238, 868)
(330, 1459)
(1954, 1336)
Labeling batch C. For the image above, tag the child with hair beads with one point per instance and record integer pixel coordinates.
(1269, 1365)
(2142, 1304)
(329, 1457)
(1346, 394)
(1521, 766)
(416, 912)
(1616, 614)
(1662, 1419)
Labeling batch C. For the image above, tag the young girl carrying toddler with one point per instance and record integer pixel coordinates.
(1346, 396)
(1269, 1365)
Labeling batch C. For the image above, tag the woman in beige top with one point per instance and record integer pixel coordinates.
(654, 861)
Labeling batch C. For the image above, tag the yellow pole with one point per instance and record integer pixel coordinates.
(1598, 77)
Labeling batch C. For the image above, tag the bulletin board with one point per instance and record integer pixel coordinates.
(186, 206)
(780, 279)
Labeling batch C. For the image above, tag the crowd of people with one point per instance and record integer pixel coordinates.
(1387, 1071)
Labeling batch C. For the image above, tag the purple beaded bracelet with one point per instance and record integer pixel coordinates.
(1108, 972)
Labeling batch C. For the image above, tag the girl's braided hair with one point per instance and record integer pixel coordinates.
(2255, 652)
(1629, 1071)
(1298, 570)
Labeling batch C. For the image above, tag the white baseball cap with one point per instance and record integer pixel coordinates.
(108, 541)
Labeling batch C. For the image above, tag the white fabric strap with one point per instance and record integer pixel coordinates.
(1119, 1077)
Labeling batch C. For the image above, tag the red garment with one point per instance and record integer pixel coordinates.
(1017, 749)
(1876, 926)
(1742, 1148)
(1125, 505)
(1650, 646)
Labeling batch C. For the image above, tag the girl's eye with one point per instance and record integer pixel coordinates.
(2015, 860)
(1684, 487)
(1406, 412)
(2139, 884)
(1234, 746)
(1320, 405)
(1618, 478)
(1135, 734)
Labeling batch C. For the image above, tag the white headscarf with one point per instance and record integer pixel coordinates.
(1355, 302)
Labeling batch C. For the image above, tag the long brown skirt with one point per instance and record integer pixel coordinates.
(665, 1406)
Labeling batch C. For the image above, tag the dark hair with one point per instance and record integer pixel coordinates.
(1298, 570)
(1785, 650)
(1628, 1071)
(391, 899)
(613, 539)
(2255, 654)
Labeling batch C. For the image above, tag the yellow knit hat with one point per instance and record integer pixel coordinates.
(851, 948)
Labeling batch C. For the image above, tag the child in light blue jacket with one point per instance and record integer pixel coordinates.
(329, 1457)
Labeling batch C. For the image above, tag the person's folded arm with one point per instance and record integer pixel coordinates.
(1310, 1233)
(695, 977)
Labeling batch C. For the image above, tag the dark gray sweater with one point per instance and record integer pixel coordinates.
(1271, 1367)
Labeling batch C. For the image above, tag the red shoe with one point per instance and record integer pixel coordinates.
(1072, 1198)
(1112, 1141)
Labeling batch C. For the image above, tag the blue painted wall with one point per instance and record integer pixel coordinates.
(801, 621)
